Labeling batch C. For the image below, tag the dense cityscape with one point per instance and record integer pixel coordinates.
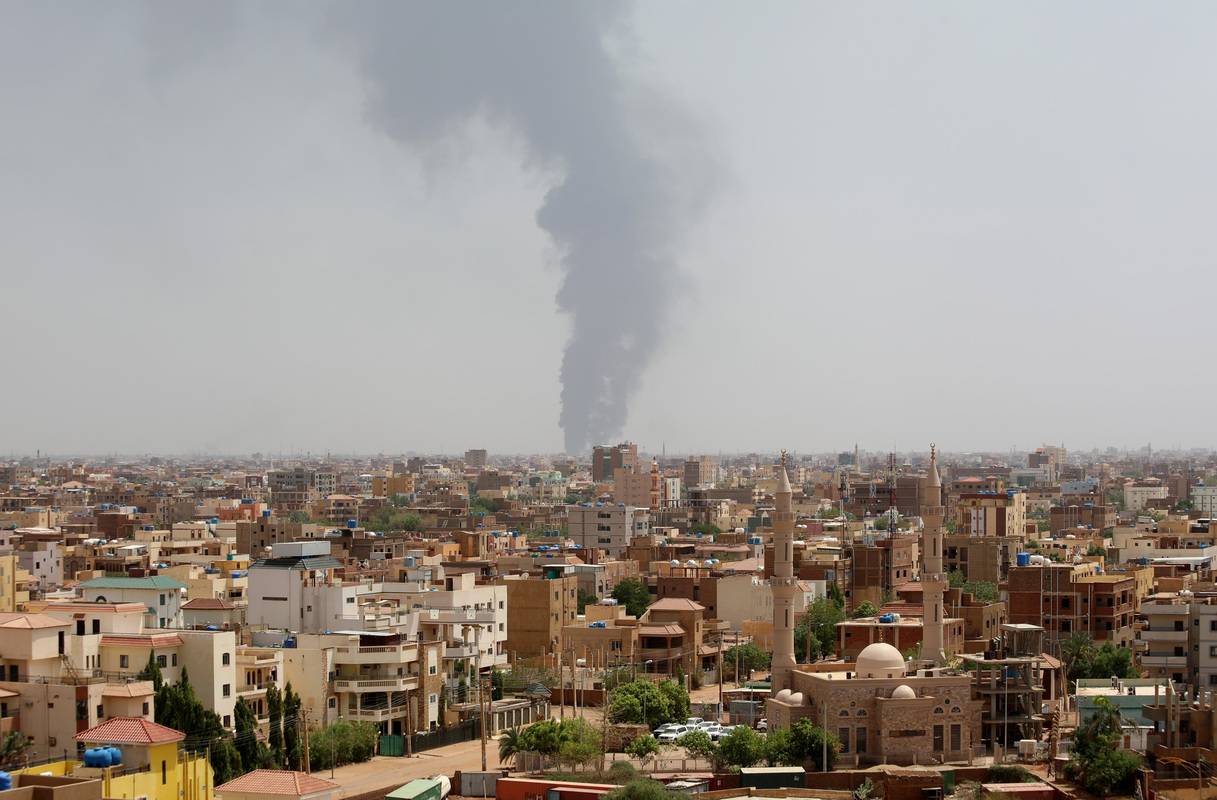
(908, 621)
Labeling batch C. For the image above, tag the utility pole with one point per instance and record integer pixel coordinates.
(303, 722)
(477, 639)
(720, 677)
(409, 725)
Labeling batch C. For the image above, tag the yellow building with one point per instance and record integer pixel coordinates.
(14, 585)
(152, 767)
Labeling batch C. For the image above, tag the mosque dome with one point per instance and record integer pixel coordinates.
(880, 660)
(783, 696)
(903, 692)
(797, 699)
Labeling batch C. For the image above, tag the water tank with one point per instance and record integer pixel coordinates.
(6, 781)
(1026, 748)
(96, 757)
(1024, 559)
(116, 756)
(352, 524)
(265, 513)
(885, 618)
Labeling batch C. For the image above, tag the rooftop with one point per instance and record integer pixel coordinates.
(149, 582)
(130, 730)
(277, 781)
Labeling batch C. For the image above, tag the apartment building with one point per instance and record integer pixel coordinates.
(997, 514)
(606, 527)
(632, 488)
(476, 458)
(1204, 500)
(538, 608)
(1073, 598)
(700, 471)
(1163, 643)
(1138, 494)
(293, 489)
(607, 459)
(14, 585)
(1101, 518)
(43, 560)
(879, 566)
(161, 597)
(599, 579)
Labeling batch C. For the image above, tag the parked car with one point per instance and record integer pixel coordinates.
(673, 733)
(667, 726)
(708, 725)
(694, 721)
(719, 733)
(762, 724)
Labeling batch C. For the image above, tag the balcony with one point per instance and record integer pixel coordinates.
(254, 689)
(462, 650)
(375, 714)
(386, 654)
(1162, 636)
(456, 615)
(399, 683)
(1167, 662)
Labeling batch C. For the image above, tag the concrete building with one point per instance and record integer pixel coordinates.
(1204, 500)
(475, 459)
(538, 608)
(700, 471)
(1073, 598)
(1139, 493)
(606, 527)
(607, 459)
(906, 634)
(162, 597)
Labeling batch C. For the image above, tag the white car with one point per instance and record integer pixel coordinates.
(693, 722)
(673, 733)
(707, 725)
(667, 726)
(762, 724)
(719, 733)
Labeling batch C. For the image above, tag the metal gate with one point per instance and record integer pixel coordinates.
(392, 745)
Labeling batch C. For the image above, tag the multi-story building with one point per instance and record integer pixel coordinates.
(905, 634)
(1073, 598)
(606, 527)
(538, 608)
(879, 567)
(1204, 500)
(607, 459)
(293, 489)
(1003, 514)
(700, 471)
(1164, 642)
(161, 597)
(632, 488)
(1101, 518)
(475, 459)
(14, 585)
(1139, 493)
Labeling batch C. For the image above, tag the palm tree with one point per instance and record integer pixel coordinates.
(1075, 650)
(510, 743)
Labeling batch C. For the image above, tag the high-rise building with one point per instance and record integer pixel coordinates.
(700, 471)
(475, 459)
(607, 459)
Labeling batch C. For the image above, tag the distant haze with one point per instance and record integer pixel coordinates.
(538, 226)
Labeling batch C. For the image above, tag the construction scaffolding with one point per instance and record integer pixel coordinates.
(1008, 683)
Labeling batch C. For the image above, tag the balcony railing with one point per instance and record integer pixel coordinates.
(393, 684)
(1162, 636)
(1164, 661)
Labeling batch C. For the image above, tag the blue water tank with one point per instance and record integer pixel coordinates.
(265, 513)
(230, 556)
(96, 757)
(6, 781)
(886, 618)
(116, 756)
(290, 642)
(1024, 559)
(352, 523)
(213, 627)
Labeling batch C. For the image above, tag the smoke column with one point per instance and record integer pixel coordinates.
(542, 71)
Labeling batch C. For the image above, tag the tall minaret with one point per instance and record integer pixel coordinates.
(654, 486)
(782, 583)
(933, 582)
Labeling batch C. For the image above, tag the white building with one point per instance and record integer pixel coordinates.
(1138, 493)
(163, 597)
(606, 527)
(1204, 500)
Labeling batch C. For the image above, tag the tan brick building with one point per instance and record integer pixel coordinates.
(537, 611)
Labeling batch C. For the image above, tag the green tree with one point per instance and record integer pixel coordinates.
(177, 707)
(698, 744)
(779, 748)
(292, 746)
(820, 622)
(342, 742)
(836, 595)
(580, 743)
(634, 595)
(274, 736)
(677, 699)
(13, 748)
(705, 529)
(808, 744)
(865, 609)
(510, 744)
(742, 747)
(392, 518)
(152, 672)
(584, 599)
(643, 748)
(1097, 762)
(750, 658)
(299, 517)
(246, 738)
(649, 703)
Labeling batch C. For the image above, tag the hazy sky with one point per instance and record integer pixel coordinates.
(984, 225)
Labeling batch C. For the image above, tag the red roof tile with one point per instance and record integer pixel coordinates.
(277, 781)
(129, 730)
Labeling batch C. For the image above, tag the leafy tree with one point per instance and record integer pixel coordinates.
(179, 708)
(580, 742)
(807, 743)
(836, 595)
(225, 760)
(649, 703)
(391, 518)
(1097, 762)
(478, 504)
(152, 672)
(742, 747)
(13, 749)
(274, 737)
(865, 609)
(705, 529)
(1083, 660)
(865, 790)
(497, 678)
(292, 746)
(779, 748)
(247, 738)
(643, 748)
(343, 742)
(750, 658)
(634, 595)
(820, 622)
(301, 517)
(584, 599)
(698, 744)
(829, 513)
(1009, 773)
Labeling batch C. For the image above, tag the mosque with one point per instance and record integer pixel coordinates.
(882, 708)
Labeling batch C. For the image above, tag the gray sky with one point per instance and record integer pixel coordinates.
(975, 224)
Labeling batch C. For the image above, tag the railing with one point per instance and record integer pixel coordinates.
(400, 683)
(254, 688)
(1164, 661)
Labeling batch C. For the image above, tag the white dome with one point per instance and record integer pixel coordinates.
(783, 696)
(903, 692)
(880, 660)
(796, 699)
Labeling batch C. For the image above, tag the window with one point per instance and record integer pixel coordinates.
(161, 661)
(938, 736)
(956, 738)
(228, 690)
(164, 772)
(162, 599)
(80, 627)
(101, 712)
(96, 626)
(146, 710)
(123, 662)
(175, 659)
(227, 721)
(226, 659)
(843, 735)
(500, 605)
(860, 740)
